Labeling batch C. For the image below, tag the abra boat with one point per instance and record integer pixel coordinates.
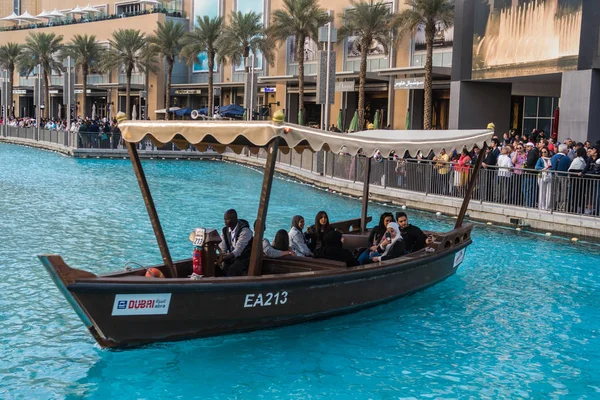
(127, 309)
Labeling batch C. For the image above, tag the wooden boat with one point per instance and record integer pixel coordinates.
(126, 309)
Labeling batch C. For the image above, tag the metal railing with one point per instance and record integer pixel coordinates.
(549, 191)
(63, 138)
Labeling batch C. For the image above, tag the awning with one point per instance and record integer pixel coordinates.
(258, 134)
(437, 72)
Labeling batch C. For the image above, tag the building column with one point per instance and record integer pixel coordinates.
(579, 104)
(473, 105)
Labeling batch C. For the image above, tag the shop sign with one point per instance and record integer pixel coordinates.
(345, 86)
(80, 91)
(188, 91)
(409, 83)
(53, 91)
(19, 91)
(268, 90)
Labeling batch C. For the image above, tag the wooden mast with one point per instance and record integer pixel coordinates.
(365, 196)
(257, 251)
(465, 203)
(158, 232)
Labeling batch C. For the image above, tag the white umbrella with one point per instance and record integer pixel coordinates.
(109, 112)
(93, 111)
(90, 9)
(27, 17)
(44, 15)
(59, 111)
(56, 14)
(76, 10)
(11, 18)
(134, 113)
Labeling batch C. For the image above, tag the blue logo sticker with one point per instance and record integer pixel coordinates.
(122, 304)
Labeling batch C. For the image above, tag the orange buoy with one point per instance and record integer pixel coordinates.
(154, 273)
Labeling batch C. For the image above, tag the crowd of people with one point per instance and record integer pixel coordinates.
(528, 170)
(393, 237)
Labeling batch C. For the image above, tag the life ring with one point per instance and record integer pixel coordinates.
(154, 273)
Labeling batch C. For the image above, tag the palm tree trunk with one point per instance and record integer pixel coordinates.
(11, 75)
(128, 94)
(46, 112)
(168, 88)
(300, 57)
(211, 65)
(427, 112)
(362, 77)
(85, 72)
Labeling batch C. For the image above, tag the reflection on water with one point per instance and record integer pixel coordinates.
(531, 32)
(520, 319)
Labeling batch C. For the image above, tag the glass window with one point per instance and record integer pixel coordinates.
(201, 8)
(17, 7)
(437, 59)
(245, 6)
(545, 107)
(545, 124)
(529, 124)
(531, 106)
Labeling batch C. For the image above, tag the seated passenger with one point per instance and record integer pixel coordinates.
(280, 247)
(393, 246)
(236, 245)
(377, 233)
(375, 237)
(297, 240)
(414, 238)
(333, 249)
(315, 233)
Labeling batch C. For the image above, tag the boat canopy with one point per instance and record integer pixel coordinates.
(259, 134)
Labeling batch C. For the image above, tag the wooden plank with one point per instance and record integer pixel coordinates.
(365, 196)
(467, 199)
(158, 232)
(265, 194)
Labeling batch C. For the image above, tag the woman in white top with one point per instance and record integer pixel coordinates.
(576, 190)
(504, 174)
(297, 241)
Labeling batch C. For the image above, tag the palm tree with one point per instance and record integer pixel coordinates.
(205, 38)
(370, 22)
(129, 50)
(301, 19)
(42, 49)
(244, 34)
(87, 54)
(9, 56)
(167, 43)
(432, 15)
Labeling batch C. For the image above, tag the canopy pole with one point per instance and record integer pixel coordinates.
(158, 232)
(467, 199)
(265, 194)
(365, 196)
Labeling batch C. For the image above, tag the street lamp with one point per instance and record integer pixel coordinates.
(251, 89)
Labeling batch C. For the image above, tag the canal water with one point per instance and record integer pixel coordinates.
(520, 319)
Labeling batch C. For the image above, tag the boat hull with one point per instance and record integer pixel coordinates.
(126, 313)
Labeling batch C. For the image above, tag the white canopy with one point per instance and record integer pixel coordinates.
(11, 18)
(90, 9)
(254, 135)
(164, 110)
(27, 17)
(56, 14)
(76, 10)
(43, 14)
(152, 2)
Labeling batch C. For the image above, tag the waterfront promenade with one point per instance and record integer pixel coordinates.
(414, 185)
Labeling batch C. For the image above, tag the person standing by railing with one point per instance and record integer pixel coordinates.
(544, 179)
(461, 171)
(578, 165)
(505, 165)
(489, 176)
(592, 170)
(529, 178)
(443, 168)
(560, 163)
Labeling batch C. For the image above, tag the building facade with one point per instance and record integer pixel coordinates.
(519, 63)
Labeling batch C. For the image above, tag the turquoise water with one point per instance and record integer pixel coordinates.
(520, 319)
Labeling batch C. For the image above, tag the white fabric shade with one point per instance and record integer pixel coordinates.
(90, 9)
(11, 18)
(151, 2)
(77, 10)
(43, 14)
(27, 17)
(56, 14)
(254, 135)
(164, 110)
